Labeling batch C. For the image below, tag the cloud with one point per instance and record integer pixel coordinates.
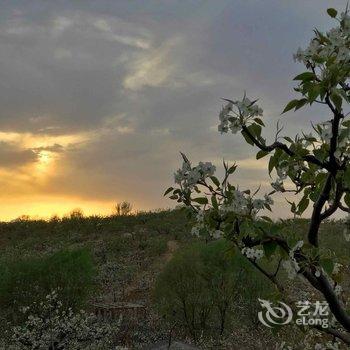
(60, 24)
(152, 69)
(98, 98)
(252, 163)
(53, 67)
(12, 156)
(56, 148)
(106, 27)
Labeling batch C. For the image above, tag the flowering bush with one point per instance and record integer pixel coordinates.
(316, 165)
(26, 280)
(53, 327)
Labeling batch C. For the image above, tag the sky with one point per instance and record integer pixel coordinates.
(97, 98)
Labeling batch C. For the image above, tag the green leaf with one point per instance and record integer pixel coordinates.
(247, 138)
(314, 91)
(271, 164)
(214, 202)
(266, 218)
(346, 123)
(301, 103)
(346, 177)
(293, 207)
(215, 181)
(303, 204)
(344, 95)
(200, 200)
(259, 121)
(261, 154)
(337, 100)
(332, 12)
(274, 159)
(327, 265)
(290, 105)
(269, 248)
(306, 76)
(267, 206)
(255, 129)
(283, 254)
(347, 199)
(287, 138)
(168, 191)
(232, 169)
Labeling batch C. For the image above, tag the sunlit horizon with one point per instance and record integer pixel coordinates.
(46, 209)
(96, 102)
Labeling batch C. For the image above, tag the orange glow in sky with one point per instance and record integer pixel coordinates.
(45, 207)
(21, 184)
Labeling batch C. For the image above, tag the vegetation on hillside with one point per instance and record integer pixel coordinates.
(132, 259)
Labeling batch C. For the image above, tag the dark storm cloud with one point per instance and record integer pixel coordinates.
(144, 79)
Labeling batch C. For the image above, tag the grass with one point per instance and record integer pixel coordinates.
(128, 253)
(28, 280)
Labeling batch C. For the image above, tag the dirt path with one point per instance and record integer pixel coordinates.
(172, 247)
(133, 292)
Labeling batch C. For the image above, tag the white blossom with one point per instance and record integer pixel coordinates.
(235, 126)
(195, 231)
(336, 268)
(326, 132)
(268, 199)
(252, 254)
(297, 246)
(217, 234)
(292, 267)
(52, 324)
(193, 177)
(338, 289)
(258, 203)
(207, 168)
(246, 109)
(200, 216)
(337, 46)
(188, 177)
(278, 185)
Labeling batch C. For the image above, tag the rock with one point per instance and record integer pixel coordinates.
(127, 235)
(175, 345)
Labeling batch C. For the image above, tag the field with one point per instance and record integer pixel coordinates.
(111, 266)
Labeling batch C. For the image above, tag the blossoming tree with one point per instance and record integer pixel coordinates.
(316, 165)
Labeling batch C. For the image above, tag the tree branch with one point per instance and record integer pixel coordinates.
(334, 332)
(308, 158)
(321, 283)
(336, 204)
(341, 206)
(334, 304)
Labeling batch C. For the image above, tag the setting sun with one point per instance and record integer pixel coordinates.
(45, 159)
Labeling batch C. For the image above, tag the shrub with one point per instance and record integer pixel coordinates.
(76, 214)
(204, 285)
(120, 243)
(29, 280)
(50, 326)
(154, 246)
(123, 209)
